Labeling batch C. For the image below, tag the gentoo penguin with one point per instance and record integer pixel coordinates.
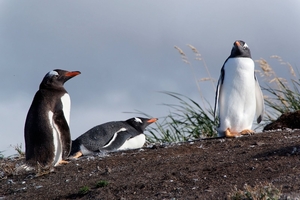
(47, 133)
(238, 94)
(112, 136)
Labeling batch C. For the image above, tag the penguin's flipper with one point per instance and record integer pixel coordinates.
(260, 108)
(117, 140)
(219, 91)
(61, 124)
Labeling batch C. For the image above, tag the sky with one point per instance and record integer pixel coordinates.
(125, 52)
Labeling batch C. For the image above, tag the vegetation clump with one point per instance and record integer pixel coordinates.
(102, 183)
(84, 190)
(262, 191)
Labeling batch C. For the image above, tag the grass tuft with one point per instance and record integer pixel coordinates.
(101, 183)
(186, 121)
(84, 190)
(283, 95)
(261, 191)
(18, 148)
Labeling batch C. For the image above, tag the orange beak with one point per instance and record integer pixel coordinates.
(152, 120)
(72, 74)
(237, 43)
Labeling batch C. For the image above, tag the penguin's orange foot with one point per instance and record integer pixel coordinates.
(63, 162)
(247, 132)
(77, 155)
(228, 133)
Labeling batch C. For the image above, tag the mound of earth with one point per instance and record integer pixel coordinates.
(203, 169)
(286, 120)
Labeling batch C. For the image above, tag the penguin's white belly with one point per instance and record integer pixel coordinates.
(85, 151)
(237, 98)
(66, 104)
(134, 143)
(58, 148)
(56, 141)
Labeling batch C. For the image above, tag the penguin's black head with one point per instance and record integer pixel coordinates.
(57, 78)
(240, 49)
(140, 123)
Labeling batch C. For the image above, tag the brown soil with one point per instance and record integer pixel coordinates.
(204, 169)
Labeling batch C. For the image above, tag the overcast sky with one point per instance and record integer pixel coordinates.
(125, 52)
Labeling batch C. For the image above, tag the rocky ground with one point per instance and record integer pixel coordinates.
(203, 169)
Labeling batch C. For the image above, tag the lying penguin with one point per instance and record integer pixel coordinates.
(112, 136)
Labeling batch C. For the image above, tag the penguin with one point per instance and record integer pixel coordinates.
(47, 132)
(112, 136)
(238, 95)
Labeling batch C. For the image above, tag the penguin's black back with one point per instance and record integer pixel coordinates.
(100, 135)
(38, 130)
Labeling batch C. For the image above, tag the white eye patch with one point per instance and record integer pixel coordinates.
(52, 73)
(138, 120)
(245, 45)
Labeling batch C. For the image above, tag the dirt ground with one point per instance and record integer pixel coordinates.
(203, 169)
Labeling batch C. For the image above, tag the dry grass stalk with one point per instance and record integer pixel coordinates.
(6, 169)
(266, 68)
(185, 60)
(292, 71)
(206, 79)
(282, 62)
(183, 56)
(198, 57)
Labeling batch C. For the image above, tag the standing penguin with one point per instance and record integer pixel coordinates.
(47, 133)
(111, 136)
(238, 94)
